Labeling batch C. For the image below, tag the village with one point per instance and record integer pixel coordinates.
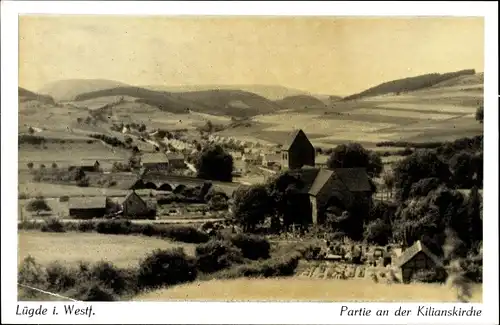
(215, 166)
(163, 188)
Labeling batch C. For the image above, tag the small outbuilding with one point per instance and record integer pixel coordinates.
(419, 258)
(87, 207)
(154, 161)
(176, 160)
(135, 207)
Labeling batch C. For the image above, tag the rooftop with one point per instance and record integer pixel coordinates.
(88, 202)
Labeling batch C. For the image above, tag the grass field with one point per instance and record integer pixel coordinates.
(299, 289)
(122, 250)
(32, 189)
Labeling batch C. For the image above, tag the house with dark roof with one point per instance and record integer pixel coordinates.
(175, 160)
(154, 161)
(416, 258)
(88, 166)
(87, 207)
(297, 151)
(135, 207)
(271, 159)
(339, 187)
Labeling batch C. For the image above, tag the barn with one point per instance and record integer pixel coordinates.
(134, 207)
(154, 161)
(87, 207)
(176, 160)
(418, 258)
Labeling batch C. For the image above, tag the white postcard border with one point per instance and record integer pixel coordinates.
(249, 313)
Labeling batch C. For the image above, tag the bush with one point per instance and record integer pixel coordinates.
(60, 278)
(217, 255)
(273, 267)
(96, 292)
(252, 246)
(32, 273)
(184, 234)
(53, 225)
(64, 198)
(312, 252)
(114, 227)
(86, 226)
(28, 225)
(38, 204)
(166, 267)
(116, 279)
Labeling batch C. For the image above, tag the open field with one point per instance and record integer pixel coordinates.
(70, 153)
(32, 189)
(304, 289)
(122, 250)
(434, 114)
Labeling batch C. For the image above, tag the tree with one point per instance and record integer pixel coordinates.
(286, 200)
(54, 165)
(388, 179)
(463, 169)
(128, 140)
(418, 219)
(134, 162)
(30, 165)
(480, 114)
(424, 186)
(474, 232)
(421, 164)
(42, 166)
(477, 166)
(251, 206)
(79, 120)
(215, 163)
(377, 231)
(354, 155)
(31, 130)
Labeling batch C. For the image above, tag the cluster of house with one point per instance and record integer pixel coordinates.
(132, 207)
(163, 161)
(272, 157)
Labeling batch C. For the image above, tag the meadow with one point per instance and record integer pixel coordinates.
(72, 247)
(306, 289)
(48, 190)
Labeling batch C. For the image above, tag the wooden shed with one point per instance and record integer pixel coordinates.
(417, 258)
(87, 207)
(134, 207)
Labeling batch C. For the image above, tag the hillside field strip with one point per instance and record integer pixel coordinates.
(70, 248)
(436, 114)
(306, 289)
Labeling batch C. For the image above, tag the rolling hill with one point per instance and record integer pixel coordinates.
(410, 84)
(442, 111)
(26, 95)
(66, 90)
(271, 92)
(231, 102)
(235, 103)
(300, 102)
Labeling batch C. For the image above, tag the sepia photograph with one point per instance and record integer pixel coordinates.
(258, 158)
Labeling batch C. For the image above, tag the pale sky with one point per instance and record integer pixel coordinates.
(336, 56)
